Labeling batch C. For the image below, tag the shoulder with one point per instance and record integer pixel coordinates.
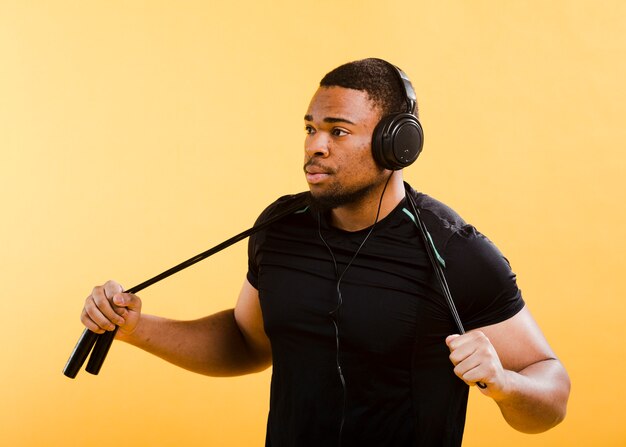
(278, 211)
(435, 210)
(441, 220)
(479, 275)
(451, 233)
(284, 205)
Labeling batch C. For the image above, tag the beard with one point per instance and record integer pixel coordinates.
(338, 196)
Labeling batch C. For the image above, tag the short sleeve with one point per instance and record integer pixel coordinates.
(293, 201)
(480, 278)
(253, 270)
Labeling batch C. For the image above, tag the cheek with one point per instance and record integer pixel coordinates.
(365, 157)
(359, 165)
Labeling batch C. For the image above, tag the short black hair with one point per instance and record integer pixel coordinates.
(378, 78)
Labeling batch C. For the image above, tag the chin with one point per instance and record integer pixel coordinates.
(337, 197)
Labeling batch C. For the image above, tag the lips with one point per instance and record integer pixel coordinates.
(314, 167)
(316, 178)
(315, 170)
(316, 173)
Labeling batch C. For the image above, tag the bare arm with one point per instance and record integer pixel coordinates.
(231, 342)
(522, 374)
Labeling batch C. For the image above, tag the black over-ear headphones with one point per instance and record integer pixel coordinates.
(398, 138)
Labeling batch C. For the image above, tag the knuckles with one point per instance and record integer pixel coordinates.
(473, 344)
(100, 314)
(112, 287)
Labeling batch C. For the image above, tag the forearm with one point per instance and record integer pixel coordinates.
(213, 345)
(535, 399)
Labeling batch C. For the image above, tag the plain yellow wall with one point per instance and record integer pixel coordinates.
(135, 134)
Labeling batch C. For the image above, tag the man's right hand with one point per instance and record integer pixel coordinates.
(108, 306)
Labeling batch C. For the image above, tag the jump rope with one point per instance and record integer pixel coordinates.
(99, 344)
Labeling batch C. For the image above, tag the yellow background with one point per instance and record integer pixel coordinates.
(135, 134)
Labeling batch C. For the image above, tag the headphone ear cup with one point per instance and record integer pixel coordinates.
(397, 141)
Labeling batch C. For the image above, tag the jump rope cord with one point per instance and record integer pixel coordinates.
(334, 314)
(432, 255)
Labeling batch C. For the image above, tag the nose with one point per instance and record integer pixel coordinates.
(316, 145)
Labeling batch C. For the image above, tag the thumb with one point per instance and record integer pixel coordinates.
(128, 300)
(451, 338)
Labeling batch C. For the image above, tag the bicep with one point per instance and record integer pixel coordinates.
(519, 341)
(249, 318)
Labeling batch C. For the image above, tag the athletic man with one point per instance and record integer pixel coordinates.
(342, 300)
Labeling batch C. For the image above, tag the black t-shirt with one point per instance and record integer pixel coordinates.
(400, 388)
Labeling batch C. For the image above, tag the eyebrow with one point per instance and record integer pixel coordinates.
(329, 119)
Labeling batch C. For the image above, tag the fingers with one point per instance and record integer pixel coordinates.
(474, 358)
(99, 314)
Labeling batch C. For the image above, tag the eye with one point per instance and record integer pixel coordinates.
(309, 129)
(339, 132)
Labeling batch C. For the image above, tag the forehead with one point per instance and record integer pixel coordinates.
(343, 103)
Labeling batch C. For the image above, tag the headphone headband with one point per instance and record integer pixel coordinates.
(409, 92)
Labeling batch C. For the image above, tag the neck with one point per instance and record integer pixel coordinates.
(362, 214)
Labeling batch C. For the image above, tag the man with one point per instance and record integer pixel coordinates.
(342, 300)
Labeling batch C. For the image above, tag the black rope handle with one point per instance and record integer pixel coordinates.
(101, 343)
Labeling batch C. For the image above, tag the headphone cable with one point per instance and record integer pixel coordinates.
(334, 314)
